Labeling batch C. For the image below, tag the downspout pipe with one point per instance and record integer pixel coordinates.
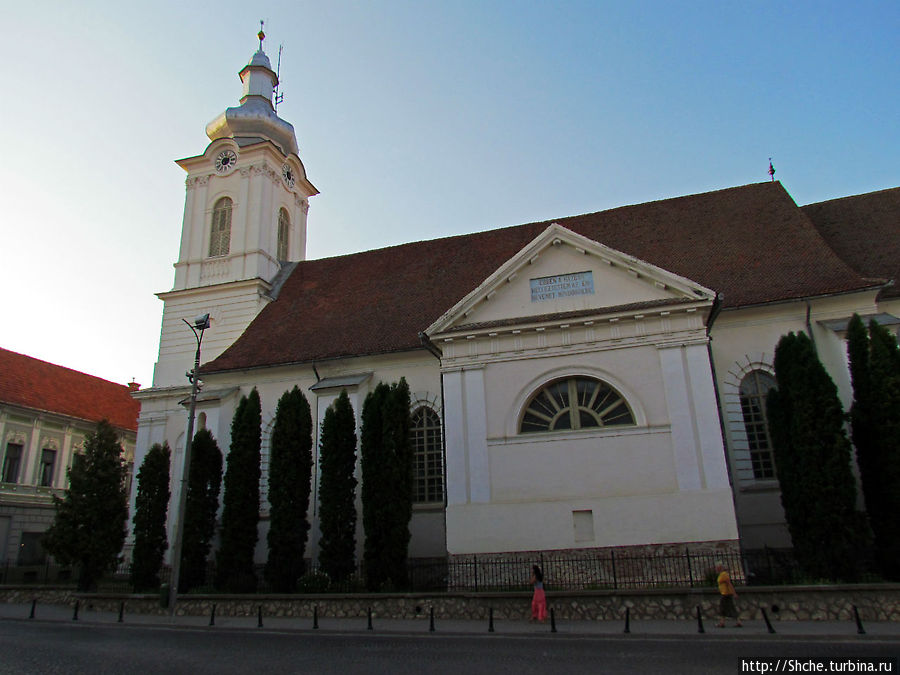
(439, 355)
(809, 330)
(713, 315)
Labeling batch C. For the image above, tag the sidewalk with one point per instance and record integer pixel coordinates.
(755, 629)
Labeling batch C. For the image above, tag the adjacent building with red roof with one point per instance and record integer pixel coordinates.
(46, 411)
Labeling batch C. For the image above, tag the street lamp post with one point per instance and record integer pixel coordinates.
(201, 323)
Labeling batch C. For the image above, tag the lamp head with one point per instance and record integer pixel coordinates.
(202, 322)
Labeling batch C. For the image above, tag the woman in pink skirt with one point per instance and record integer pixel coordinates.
(538, 600)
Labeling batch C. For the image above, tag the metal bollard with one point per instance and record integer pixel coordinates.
(259, 623)
(75, 615)
(552, 621)
(627, 620)
(431, 623)
(859, 626)
(768, 623)
(491, 620)
(315, 617)
(33, 605)
(700, 628)
(212, 616)
(369, 627)
(121, 612)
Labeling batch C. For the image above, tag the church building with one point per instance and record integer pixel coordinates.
(591, 382)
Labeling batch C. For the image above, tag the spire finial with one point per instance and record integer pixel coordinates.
(771, 170)
(261, 35)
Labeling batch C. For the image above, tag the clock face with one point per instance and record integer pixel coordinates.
(288, 174)
(226, 160)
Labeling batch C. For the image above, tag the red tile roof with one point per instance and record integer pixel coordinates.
(35, 384)
(752, 244)
(864, 230)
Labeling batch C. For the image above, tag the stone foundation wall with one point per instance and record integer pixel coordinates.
(804, 603)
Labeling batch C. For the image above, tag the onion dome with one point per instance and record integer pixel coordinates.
(254, 120)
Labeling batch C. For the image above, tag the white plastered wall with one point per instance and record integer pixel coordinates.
(662, 480)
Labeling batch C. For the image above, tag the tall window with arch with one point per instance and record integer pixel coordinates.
(220, 230)
(754, 387)
(575, 403)
(428, 458)
(284, 233)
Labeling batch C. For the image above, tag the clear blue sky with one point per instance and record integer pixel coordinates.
(416, 119)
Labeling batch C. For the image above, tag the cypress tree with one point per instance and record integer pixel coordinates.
(204, 484)
(151, 505)
(399, 448)
(89, 527)
(375, 490)
(337, 491)
(290, 469)
(387, 484)
(240, 512)
(812, 461)
(875, 416)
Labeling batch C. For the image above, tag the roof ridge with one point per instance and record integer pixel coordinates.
(848, 197)
(549, 221)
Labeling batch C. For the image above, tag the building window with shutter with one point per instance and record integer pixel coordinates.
(48, 462)
(11, 462)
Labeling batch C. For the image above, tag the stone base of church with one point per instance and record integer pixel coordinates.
(598, 568)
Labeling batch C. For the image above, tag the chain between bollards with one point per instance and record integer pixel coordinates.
(627, 620)
(859, 626)
(700, 628)
(768, 623)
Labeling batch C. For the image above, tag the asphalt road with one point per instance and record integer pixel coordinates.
(70, 648)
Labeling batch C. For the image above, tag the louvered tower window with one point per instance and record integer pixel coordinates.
(284, 233)
(220, 232)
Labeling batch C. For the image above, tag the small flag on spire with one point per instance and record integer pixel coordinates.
(771, 170)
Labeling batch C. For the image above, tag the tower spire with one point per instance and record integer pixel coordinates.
(261, 34)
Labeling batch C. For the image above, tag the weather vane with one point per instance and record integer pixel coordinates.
(771, 170)
(261, 35)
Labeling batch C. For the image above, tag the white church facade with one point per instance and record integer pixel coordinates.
(590, 382)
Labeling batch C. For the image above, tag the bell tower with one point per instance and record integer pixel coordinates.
(245, 212)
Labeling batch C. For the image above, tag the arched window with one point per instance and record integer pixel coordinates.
(284, 232)
(220, 232)
(428, 459)
(575, 403)
(754, 388)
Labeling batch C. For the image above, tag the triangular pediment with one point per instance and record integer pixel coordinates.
(564, 273)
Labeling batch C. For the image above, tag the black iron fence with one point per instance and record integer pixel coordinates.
(605, 570)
